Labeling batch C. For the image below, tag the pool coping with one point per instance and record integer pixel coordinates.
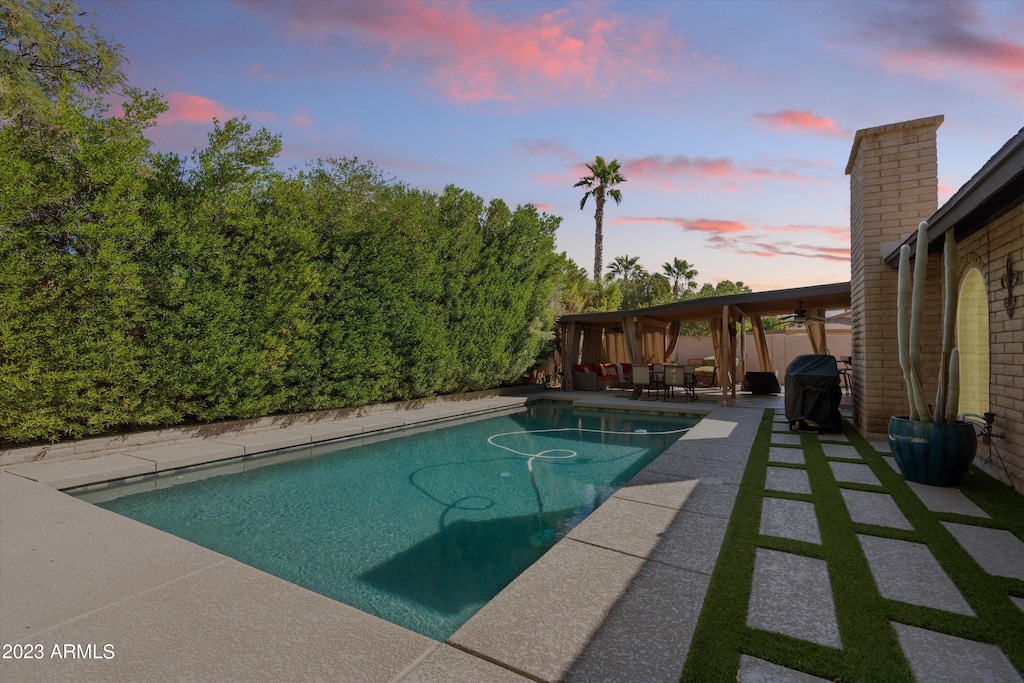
(148, 564)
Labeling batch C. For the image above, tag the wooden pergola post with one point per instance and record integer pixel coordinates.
(723, 348)
(743, 350)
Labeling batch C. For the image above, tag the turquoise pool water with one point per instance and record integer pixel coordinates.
(422, 529)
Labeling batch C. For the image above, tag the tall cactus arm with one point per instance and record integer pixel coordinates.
(917, 312)
(943, 400)
(903, 324)
(917, 297)
(953, 398)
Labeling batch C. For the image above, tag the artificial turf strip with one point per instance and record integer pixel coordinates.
(870, 650)
(998, 620)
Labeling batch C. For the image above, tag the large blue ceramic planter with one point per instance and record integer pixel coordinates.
(931, 453)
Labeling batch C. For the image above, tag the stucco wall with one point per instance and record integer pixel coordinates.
(783, 345)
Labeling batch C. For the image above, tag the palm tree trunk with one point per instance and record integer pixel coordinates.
(598, 236)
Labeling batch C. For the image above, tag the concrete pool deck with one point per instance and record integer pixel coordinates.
(617, 599)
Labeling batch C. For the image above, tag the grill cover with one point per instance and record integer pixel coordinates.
(813, 393)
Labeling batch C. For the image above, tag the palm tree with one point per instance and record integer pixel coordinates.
(600, 182)
(625, 267)
(679, 270)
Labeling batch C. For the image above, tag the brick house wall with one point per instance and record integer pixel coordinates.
(987, 250)
(894, 186)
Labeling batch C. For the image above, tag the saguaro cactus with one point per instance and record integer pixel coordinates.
(909, 303)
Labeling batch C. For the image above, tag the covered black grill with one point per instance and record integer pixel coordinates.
(813, 393)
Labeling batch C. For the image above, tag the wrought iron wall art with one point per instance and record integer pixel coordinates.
(1009, 280)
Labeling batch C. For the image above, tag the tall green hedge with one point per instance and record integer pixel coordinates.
(140, 289)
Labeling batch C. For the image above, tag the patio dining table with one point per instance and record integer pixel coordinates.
(683, 376)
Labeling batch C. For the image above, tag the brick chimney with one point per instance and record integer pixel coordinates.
(893, 173)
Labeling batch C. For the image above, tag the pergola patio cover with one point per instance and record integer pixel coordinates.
(648, 335)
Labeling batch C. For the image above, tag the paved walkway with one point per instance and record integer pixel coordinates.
(619, 599)
(793, 592)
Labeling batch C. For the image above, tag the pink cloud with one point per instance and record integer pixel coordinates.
(764, 249)
(543, 207)
(302, 119)
(473, 55)
(697, 225)
(547, 147)
(835, 232)
(948, 41)
(749, 240)
(945, 192)
(791, 119)
(722, 168)
(192, 108)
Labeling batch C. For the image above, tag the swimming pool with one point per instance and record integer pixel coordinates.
(421, 529)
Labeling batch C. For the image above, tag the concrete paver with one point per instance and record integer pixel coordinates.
(34, 562)
(564, 597)
(676, 462)
(998, 551)
(866, 507)
(647, 634)
(445, 664)
(266, 440)
(754, 670)
(692, 541)
(788, 480)
(213, 625)
(792, 594)
(833, 437)
(941, 658)
(853, 473)
(625, 526)
(880, 445)
(658, 489)
(792, 456)
(793, 519)
(945, 499)
(715, 499)
(71, 473)
(708, 495)
(839, 450)
(334, 429)
(188, 453)
(908, 572)
(785, 439)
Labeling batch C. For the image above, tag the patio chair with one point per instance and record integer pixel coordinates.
(641, 379)
(680, 376)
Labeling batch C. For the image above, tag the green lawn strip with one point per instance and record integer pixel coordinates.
(998, 620)
(869, 642)
(721, 628)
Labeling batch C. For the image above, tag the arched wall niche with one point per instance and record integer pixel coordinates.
(973, 342)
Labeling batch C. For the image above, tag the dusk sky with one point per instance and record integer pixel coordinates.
(733, 121)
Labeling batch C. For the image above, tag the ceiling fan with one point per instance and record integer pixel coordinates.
(802, 315)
